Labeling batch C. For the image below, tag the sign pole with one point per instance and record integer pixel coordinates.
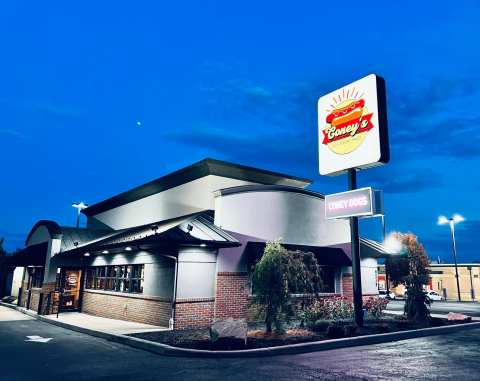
(355, 239)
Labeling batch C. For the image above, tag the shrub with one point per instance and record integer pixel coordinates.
(335, 331)
(318, 325)
(328, 309)
(350, 330)
(375, 306)
(279, 273)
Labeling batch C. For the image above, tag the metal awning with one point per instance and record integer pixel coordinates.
(195, 229)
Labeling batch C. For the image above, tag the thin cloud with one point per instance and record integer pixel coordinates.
(404, 182)
(13, 133)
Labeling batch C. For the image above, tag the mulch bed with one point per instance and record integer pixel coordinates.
(257, 338)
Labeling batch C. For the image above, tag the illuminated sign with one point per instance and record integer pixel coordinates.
(352, 123)
(364, 202)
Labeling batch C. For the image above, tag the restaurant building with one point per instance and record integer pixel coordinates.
(177, 251)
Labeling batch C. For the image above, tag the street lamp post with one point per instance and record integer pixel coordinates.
(387, 283)
(79, 206)
(455, 219)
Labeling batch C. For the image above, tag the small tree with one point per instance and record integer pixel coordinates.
(411, 270)
(279, 273)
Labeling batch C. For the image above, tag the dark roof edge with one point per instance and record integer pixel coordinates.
(53, 228)
(192, 172)
(266, 188)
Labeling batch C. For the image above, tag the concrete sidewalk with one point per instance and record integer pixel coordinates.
(88, 322)
(96, 323)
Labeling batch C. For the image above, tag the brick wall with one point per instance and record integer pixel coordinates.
(194, 313)
(347, 285)
(136, 308)
(231, 295)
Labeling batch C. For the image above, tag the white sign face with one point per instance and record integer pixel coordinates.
(352, 124)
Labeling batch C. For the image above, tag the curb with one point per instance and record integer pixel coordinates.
(315, 346)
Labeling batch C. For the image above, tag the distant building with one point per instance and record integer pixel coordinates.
(178, 251)
(442, 280)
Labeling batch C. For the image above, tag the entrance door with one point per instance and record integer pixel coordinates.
(70, 284)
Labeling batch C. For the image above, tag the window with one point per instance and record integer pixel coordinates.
(127, 278)
(35, 277)
(328, 279)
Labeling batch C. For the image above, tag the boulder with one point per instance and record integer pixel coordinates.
(454, 316)
(229, 334)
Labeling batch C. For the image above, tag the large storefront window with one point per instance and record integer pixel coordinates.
(126, 278)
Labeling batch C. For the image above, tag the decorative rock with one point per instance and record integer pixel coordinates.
(229, 334)
(454, 316)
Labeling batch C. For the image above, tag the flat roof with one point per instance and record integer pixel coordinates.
(195, 171)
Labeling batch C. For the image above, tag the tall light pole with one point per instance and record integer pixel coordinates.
(79, 206)
(455, 219)
(387, 285)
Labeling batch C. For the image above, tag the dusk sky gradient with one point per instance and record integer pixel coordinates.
(236, 82)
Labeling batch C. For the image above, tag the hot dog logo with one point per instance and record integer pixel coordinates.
(347, 122)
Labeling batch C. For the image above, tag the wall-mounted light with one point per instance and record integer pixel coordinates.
(128, 248)
(105, 252)
(203, 245)
(87, 254)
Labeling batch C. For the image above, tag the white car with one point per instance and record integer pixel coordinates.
(432, 295)
(382, 294)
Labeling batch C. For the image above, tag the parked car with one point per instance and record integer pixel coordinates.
(434, 296)
(382, 294)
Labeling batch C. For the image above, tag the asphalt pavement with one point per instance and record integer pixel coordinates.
(73, 356)
(467, 308)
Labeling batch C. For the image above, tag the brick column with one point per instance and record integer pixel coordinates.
(347, 286)
(231, 295)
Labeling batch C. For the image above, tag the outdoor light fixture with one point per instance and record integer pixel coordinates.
(128, 248)
(87, 254)
(105, 252)
(79, 206)
(203, 245)
(393, 245)
(455, 219)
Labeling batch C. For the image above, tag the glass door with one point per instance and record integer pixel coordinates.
(70, 285)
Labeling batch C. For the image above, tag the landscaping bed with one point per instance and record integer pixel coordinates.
(257, 338)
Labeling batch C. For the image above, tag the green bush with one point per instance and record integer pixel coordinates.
(335, 308)
(375, 306)
(335, 331)
(318, 325)
(350, 330)
(277, 275)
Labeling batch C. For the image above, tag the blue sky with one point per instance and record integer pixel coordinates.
(237, 82)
